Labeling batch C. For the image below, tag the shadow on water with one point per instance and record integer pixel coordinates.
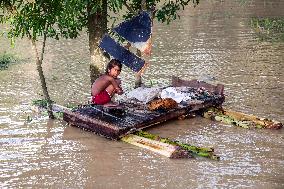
(213, 42)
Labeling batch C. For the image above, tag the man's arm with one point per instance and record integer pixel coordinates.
(115, 85)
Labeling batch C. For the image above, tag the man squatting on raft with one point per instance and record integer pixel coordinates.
(107, 84)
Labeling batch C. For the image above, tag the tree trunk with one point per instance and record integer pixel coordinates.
(42, 78)
(97, 27)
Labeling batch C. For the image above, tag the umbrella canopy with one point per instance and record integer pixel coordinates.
(120, 53)
(137, 31)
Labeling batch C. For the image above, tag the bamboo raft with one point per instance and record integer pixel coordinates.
(114, 123)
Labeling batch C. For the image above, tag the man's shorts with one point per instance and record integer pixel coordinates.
(101, 98)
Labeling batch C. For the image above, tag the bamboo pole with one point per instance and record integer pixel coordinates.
(190, 149)
(168, 150)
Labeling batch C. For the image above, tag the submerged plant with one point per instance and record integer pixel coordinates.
(41, 103)
(6, 60)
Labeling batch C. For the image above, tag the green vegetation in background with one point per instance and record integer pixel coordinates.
(6, 60)
(269, 29)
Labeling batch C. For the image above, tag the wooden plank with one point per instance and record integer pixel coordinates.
(218, 89)
(92, 124)
(103, 124)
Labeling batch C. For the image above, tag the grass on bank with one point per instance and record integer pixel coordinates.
(269, 29)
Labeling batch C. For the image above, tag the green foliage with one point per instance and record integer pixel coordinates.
(6, 60)
(66, 19)
(53, 18)
(167, 12)
(6, 4)
(269, 29)
(115, 5)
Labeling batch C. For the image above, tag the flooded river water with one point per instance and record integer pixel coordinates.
(212, 42)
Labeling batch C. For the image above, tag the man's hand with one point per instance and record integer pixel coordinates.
(119, 91)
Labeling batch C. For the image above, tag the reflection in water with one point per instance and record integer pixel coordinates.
(212, 42)
(36, 155)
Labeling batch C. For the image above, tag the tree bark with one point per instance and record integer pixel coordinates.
(97, 27)
(41, 76)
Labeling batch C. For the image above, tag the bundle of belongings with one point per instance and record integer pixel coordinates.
(168, 97)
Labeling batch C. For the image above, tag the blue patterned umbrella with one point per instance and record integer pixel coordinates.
(120, 53)
(136, 30)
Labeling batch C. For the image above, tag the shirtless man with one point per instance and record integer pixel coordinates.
(107, 84)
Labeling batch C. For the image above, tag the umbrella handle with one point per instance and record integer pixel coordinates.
(141, 72)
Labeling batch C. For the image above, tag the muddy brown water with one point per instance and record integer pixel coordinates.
(212, 42)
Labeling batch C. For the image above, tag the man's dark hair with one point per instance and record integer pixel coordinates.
(113, 63)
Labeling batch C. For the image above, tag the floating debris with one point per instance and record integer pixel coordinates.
(191, 149)
(240, 119)
(164, 104)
